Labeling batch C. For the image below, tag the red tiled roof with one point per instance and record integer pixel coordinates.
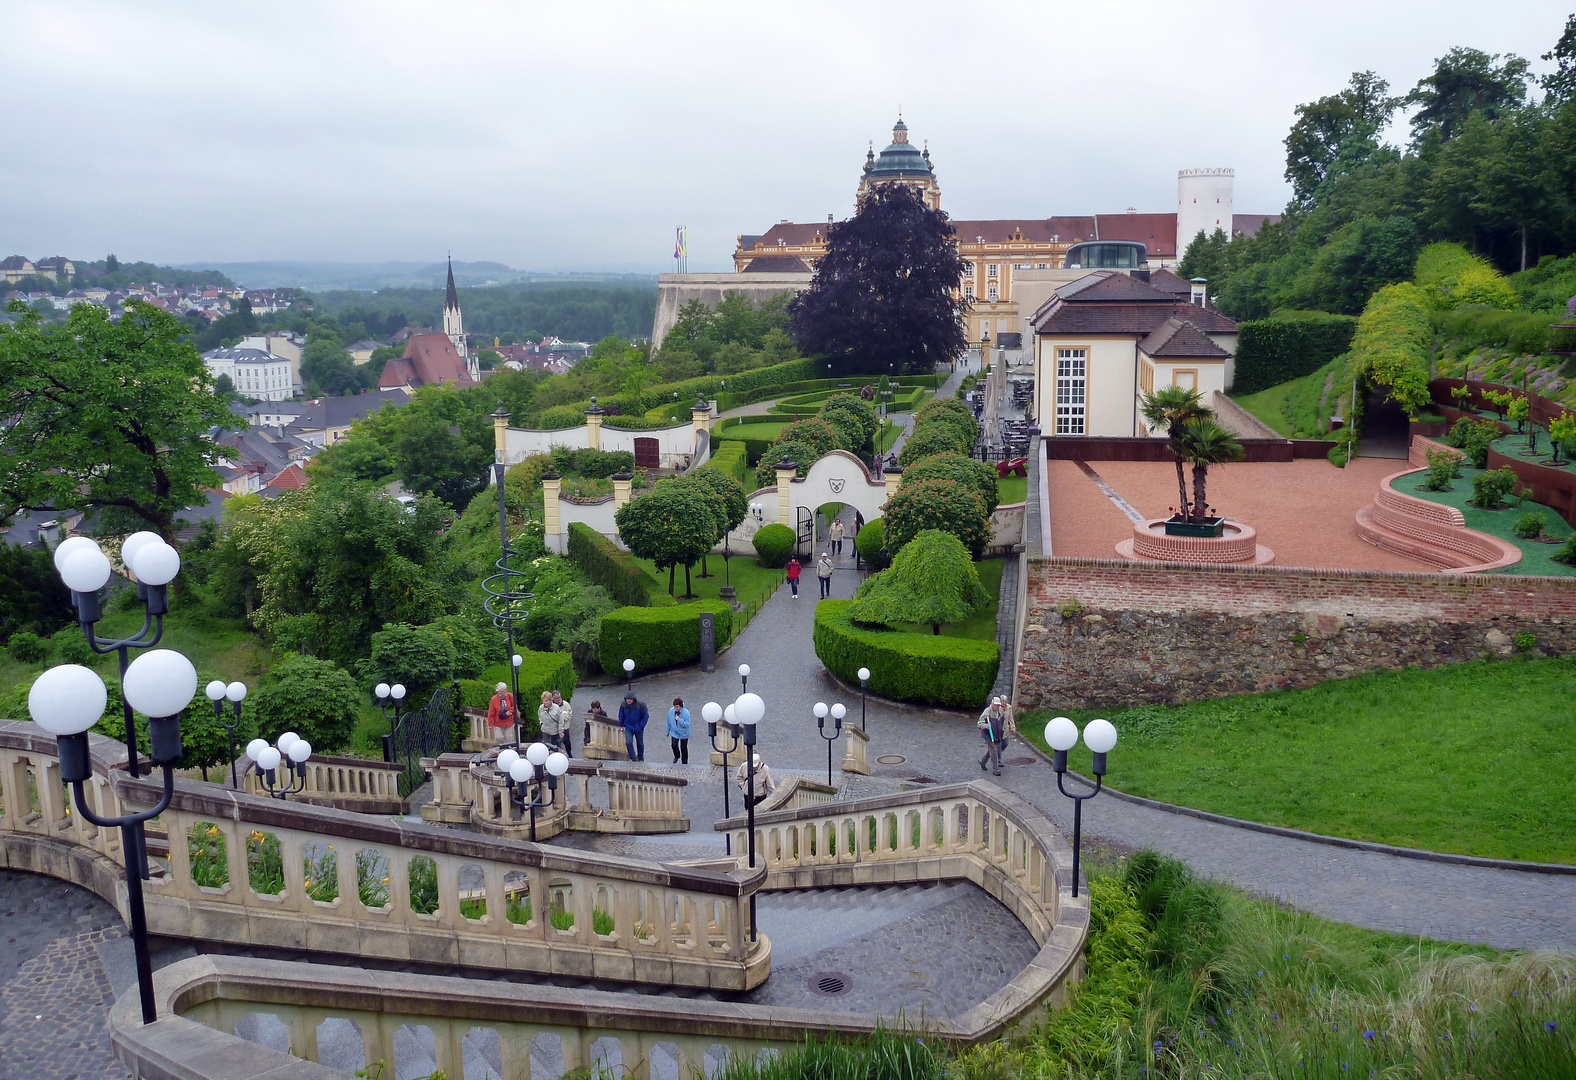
(795, 235)
(1177, 337)
(290, 479)
(429, 359)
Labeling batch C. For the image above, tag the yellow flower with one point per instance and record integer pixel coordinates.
(331, 847)
(385, 881)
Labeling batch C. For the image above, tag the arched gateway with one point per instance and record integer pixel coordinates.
(837, 477)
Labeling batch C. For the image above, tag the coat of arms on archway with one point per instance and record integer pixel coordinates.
(837, 484)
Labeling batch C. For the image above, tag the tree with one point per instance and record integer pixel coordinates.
(421, 657)
(735, 501)
(1206, 443)
(857, 415)
(886, 289)
(948, 505)
(1325, 126)
(1174, 408)
(964, 470)
(1466, 81)
(932, 580)
(814, 432)
(803, 455)
(314, 698)
(673, 526)
(106, 415)
(435, 455)
(1561, 82)
(1205, 257)
(112, 264)
(33, 598)
(326, 363)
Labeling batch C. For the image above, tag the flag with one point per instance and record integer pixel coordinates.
(680, 242)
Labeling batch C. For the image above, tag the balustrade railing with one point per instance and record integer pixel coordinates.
(370, 787)
(245, 869)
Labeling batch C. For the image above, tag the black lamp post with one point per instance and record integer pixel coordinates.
(287, 755)
(67, 700)
(85, 569)
(744, 678)
(505, 603)
(1061, 735)
(389, 698)
(864, 681)
(838, 712)
(711, 712)
(538, 763)
(749, 710)
(217, 692)
(629, 677)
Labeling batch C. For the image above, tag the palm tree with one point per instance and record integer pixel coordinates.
(1206, 443)
(1174, 408)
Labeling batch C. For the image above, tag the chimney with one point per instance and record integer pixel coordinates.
(1200, 297)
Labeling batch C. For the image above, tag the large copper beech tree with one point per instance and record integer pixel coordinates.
(886, 291)
(106, 417)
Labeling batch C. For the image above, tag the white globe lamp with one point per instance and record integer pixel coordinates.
(69, 547)
(537, 754)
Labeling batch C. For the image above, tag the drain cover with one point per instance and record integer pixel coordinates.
(829, 983)
(1019, 761)
(891, 759)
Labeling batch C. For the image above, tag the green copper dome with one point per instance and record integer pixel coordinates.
(899, 159)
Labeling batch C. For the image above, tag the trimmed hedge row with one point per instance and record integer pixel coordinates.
(905, 666)
(1288, 346)
(616, 571)
(658, 637)
(730, 459)
(903, 400)
(539, 671)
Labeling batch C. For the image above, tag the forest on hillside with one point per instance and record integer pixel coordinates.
(527, 311)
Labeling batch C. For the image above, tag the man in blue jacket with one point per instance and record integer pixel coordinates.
(679, 731)
(632, 714)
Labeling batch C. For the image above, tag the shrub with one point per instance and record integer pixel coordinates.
(602, 463)
(421, 657)
(932, 581)
(871, 544)
(616, 571)
(857, 413)
(538, 671)
(1529, 526)
(1443, 467)
(963, 470)
(1567, 552)
(730, 459)
(773, 544)
(938, 438)
(905, 666)
(27, 647)
(814, 432)
(658, 637)
(1490, 488)
(1474, 436)
(559, 417)
(937, 504)
(1287, 346)
(68, 646)
(314, 698)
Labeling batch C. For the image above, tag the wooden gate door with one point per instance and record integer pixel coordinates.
(647, 454)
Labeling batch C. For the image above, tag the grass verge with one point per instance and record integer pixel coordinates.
(1473, 758)
(1267, 404)
(1012, 489)
(753, 583)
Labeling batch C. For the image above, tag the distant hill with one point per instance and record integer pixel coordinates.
(366, 277)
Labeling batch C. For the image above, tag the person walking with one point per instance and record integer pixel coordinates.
(547, 719)
(633, 716)
(836, 533)
(993, 729)
(679, 731)
(793, 576)
(501, 715)
(555, 716)
(823, 570)
(764, 784)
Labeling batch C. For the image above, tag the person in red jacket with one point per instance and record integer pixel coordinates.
(793, 577)
(501, 716)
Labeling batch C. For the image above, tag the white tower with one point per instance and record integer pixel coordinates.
(1203, 204)
(454, 327)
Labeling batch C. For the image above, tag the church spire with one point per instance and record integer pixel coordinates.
(451, 300)
(454, 326)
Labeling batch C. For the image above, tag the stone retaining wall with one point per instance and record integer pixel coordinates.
(1141, 633)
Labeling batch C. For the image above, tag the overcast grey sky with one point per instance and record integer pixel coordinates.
(576, 136)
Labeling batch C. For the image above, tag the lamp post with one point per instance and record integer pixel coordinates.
(1061, 735)
(389, 698)
(514, 679)
(505, 602)
(85, 569)
(744, 678)
(67, 700)
(711, 712)
(289, 753)
(864, 681)
(538, 763)
(217, 693)
(838, 712)
(629, 677)
(749, 709)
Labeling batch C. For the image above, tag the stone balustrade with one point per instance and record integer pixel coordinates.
(292, 875)
(606, 739)
(360, 784)
(974, 832)
(471, 789)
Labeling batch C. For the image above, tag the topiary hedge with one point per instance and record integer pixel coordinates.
(539, 671)
(773, 544)
(730, 459)
(871, 543)
(615, 570)
(1288, 346)
(904, 666)
(659, 637)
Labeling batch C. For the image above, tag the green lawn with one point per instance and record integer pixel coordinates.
(982, 627)
(1536, 558)
(1266, 404)
(1474, 758)
(760, 430)
(887, 436)
(1012, 489)
(753, 582)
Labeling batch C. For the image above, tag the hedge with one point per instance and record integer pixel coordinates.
(905, 666)
(616, 571)
(658, 637)
(904, 400)
(538, 671)
(729, 458)
(1288, 346)
(773, 544)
